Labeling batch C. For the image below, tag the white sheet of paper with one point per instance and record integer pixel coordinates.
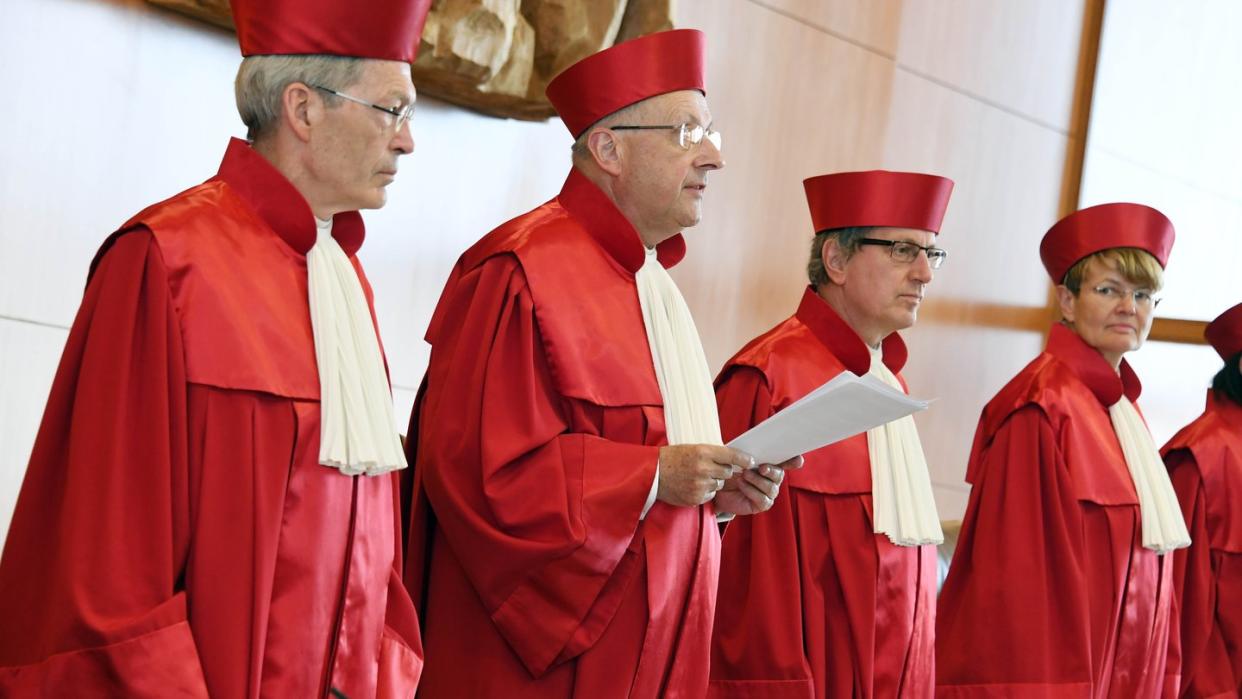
(843, 407)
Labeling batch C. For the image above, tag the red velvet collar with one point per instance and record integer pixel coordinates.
(1091, 367)
(279, 203)
(610, 228)
(846, 345)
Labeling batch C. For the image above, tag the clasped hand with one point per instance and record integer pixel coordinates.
(692, 474)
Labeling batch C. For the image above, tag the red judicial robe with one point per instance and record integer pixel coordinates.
(1205, 464)
(538, 437)
(812, 602)
(1051, 593)
(175, 534)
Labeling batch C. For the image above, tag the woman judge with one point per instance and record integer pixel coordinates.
(1060, 586)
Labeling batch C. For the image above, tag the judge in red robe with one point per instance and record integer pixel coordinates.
(816, 599)
(559, 547)
(183, 529)
(1205, 464)
(1061, 585)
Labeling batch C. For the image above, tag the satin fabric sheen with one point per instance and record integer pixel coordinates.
(1051, 593)
(1205, 464)
(626, 73)
(175, 534)
(812, 602)
(538, 433)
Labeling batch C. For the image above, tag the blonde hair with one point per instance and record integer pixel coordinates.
(1138, 267)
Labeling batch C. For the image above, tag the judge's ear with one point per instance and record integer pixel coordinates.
(299, 108)
(1065, 299)
(835, 260)
(605, 150)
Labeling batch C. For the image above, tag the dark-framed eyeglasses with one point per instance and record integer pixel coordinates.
(906, 251)
(400, 115)
(687, 134)
(1143, 298)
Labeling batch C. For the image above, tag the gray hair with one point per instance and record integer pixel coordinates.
(261, 80)
(580, 150)
(847, 239)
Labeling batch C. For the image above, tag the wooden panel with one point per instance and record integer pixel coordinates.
(1188, 332)
(1007, 173)
(876, 25)
(1020, 56)
(812, 105)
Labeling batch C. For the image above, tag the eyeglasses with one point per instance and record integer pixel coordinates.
(400, 114)
(1143, 298)
(905, 251)
(687, 134)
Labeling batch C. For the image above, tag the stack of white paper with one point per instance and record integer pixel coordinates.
(841, 408)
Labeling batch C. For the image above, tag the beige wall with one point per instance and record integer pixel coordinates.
(976, 90)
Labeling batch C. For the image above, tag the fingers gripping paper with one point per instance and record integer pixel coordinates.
(841, 408)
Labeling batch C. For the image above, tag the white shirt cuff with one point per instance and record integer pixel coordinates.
(651, 497)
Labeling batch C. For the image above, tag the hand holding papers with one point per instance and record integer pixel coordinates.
(841, 408)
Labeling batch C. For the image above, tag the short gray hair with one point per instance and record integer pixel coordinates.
(261, 80)
(847, 239)
(579, 148)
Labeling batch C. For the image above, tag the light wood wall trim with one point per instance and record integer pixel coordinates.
(956, 311)
(1080, 122)
(1187, 332)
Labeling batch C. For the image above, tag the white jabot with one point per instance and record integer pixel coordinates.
(1164, 529)
(690, 415)
(901, 492)
(356, 434)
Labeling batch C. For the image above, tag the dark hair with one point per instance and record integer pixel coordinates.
(1228, 381)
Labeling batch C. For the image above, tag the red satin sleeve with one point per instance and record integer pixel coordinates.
(1208, 615)
(90, 580)
(538, 510)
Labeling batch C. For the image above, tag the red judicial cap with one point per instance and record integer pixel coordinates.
(629, 72)
(877, 198)
(1101, 227)
(1225, 333)
(384, 29)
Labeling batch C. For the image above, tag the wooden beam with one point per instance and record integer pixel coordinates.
(957, 311)
(1080, 122)
(1189, 332)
